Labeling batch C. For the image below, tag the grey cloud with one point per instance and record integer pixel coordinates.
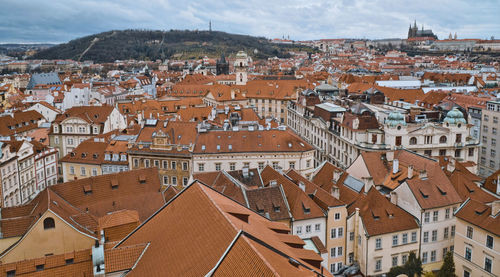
(63, 20)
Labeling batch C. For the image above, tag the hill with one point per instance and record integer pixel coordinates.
(152, 45)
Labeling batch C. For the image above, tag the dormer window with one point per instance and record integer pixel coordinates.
(123, 158)
(49, 223)
(306, 209)
(107, 157)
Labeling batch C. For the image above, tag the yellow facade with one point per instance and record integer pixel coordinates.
(75, 171)
(336, 220)
(479, 251)
(39, 242)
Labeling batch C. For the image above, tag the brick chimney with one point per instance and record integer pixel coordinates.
(395, 166)
(368, 181)
(394, 198)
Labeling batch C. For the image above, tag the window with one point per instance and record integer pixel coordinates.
(452, 232)
(72, 170)
(445, 233)
(317, 227)
(333, 233)
(49, 223)
(308, 163)
(82, 169)
(146, 163)
(459, 138)
(435, 216)
(136, 163)
(332, 268)
(156, 163)
(201, 167)
(261, 165)
(165, 180)
(11, 273)
(427, 216)
(426, 236)
(217, 166)
(487, 264)
(308, 229)
(470, 232)
(333, 252)
(337, 216)
(378, 243)
(466, 273)
(442, 152)
(458, 153)
(275, 165)
(413, 236)
(434, 235)
(378, 265)
(94, 171)
(468, 253)
(174, 165)
(433, 255)
(351, 257)
(340, 232)
(292, 165)
(443, 139)
(413, 141)
(165, 164)
(351, 236)
(395, 261)
(485, 129)
(405, 238)
(398, 141)
(489, 241)
(339, 251)
(299, 230)
(232, 166)
(395, 239)
(424, 257)
(447, 214)
(174, 180)
(185, 181)
(445, 250)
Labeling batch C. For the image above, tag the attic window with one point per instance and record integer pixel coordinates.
(424, 195)
(11, 273)
(40, 267)
(276, 207)
(390, 214)
(375, 215)
(84, 155)
(240, 216)
(87, 189)
(142, 179)
(260, 208)
(230, 146)
(307, 209)
(480, 211)
(441, 190)
(203, 147)
(114, 184)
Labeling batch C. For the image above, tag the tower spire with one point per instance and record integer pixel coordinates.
(210, 26)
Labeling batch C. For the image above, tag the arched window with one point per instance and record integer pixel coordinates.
(443, 139)
(49, 223)
(413, 140)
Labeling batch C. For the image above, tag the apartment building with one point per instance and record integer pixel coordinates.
(426, 193)
(489, 160)
(78, 124)
(167, 146)
(477, 239)
(235, 149)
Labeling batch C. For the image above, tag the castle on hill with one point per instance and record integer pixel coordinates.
(414, 32)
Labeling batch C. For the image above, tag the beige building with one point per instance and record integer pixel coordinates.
(477, 239)
(489, 160)
(233, 150)
(81, 123)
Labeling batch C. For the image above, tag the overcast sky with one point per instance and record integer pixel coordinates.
(57, 21)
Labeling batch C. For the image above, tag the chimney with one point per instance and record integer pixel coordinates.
(336, 192)
(302, 186)
(395, 166)
(336, 175)
(498, 184)
(232, 94)
(451, 165)
(495, 207)
(394, 198)
(245, 172)
(98, 256)
(410, 171)
(368, 181)
(389, 156)
(423, 174)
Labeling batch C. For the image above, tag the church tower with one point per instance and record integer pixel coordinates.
(241, 68)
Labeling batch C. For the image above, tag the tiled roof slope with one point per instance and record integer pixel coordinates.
(480, 215)
(207, 226)
(380, 216)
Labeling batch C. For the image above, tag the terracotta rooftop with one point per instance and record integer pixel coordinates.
(479, 214)
(222, 236)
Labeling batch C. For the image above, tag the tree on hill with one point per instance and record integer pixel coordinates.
(448, 267)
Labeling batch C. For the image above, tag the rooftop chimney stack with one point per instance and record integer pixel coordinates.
(423, 174)
(335, 192)
(302, 186)
(410, 171)
(336, 175)
(495, 207)
(395, 166)
(368, 181)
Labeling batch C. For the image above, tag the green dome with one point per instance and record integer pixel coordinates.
(454, 116)
(395, 118)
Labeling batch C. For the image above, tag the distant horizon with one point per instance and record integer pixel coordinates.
(59, 21)
(295, 40)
